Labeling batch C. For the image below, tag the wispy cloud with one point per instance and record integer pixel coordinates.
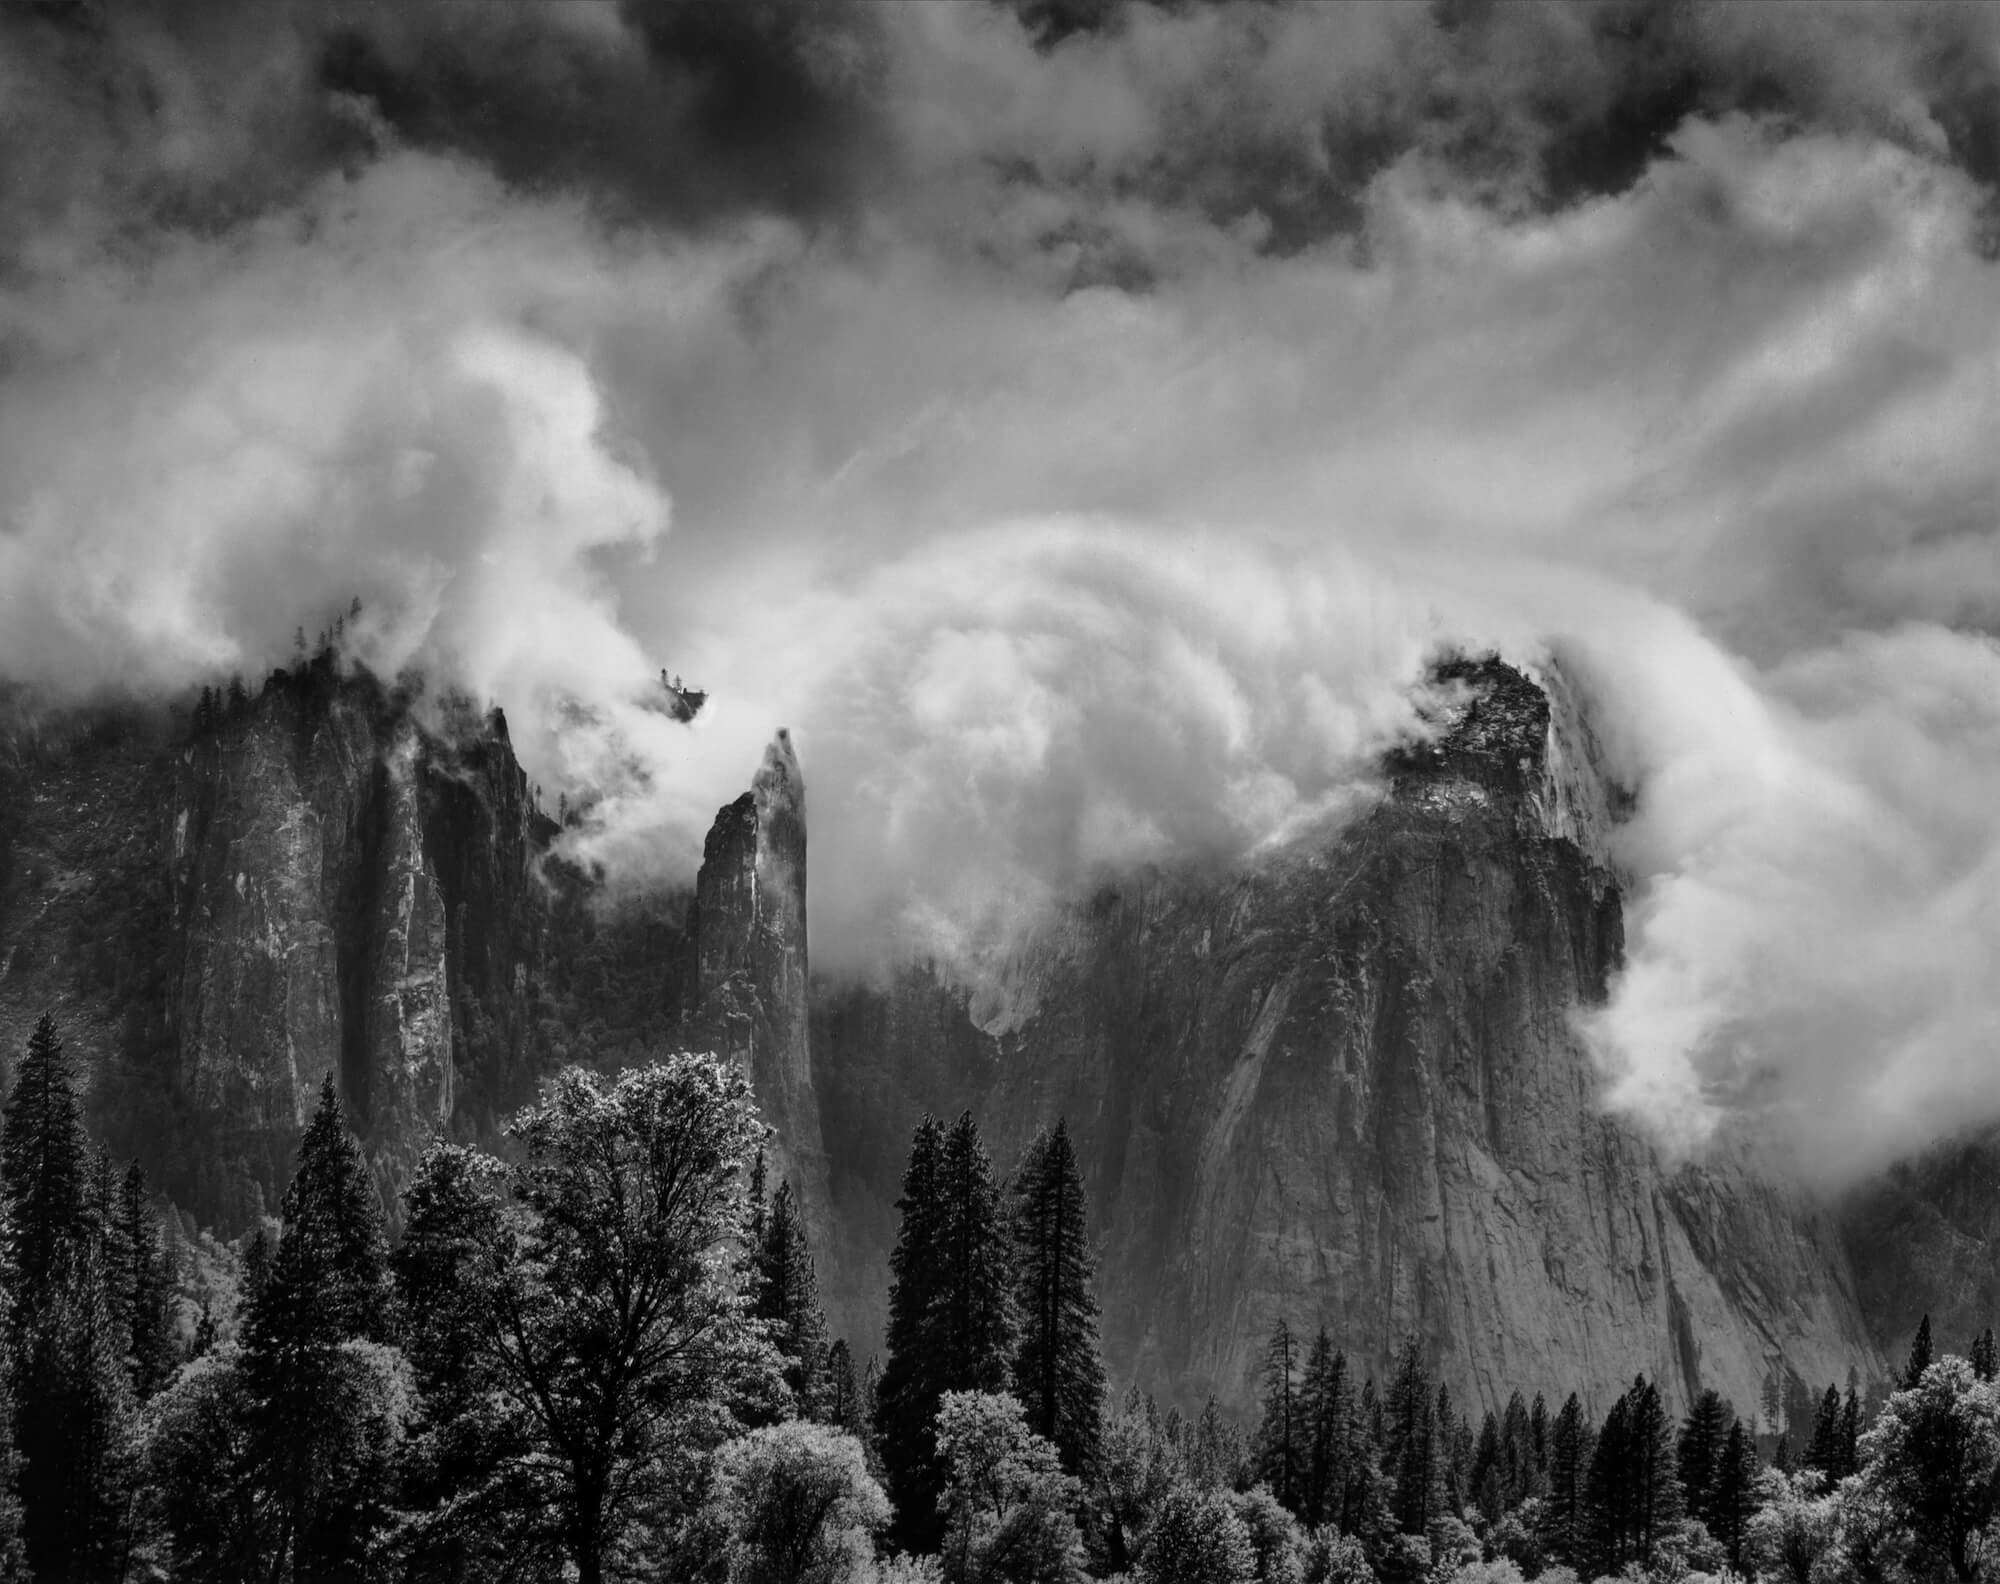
(1077, 423)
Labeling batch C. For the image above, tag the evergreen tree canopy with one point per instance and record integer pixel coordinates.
(951, 1322)
(1699, 1453)
(1410, 1452)
(1058, 1374)
(1920, 1355)
(977, 1305)
(1326, 1404)
(149, 1284)
(74, 1409)
(1572, 1447)
(1827, 1451)
(1733, 1495)
(1633, 1496)
(316, 1444)
(787, 1289)
(1281, 1438)
(1984, 1359)
(912, 1379)
(43, 1164)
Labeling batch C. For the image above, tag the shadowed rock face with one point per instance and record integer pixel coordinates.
(1343, 1085)
(318, 879)
(1925, 1240)
(311, 881)
(750, 969)
(1346, 1088)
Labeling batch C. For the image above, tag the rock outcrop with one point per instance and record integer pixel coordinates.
(1347, 1087)
(749, 966)
(1344, 1083)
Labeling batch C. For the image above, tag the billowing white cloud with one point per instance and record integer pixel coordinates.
(1054, 569)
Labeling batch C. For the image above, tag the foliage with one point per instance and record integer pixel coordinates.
(605, 1304)
(1058, 1375)
(951, 1321)
(1933, 1455)
(787, 1301)
(1795, 1528)
(1008, 1506)
(1197, 1538)
(799, 1506)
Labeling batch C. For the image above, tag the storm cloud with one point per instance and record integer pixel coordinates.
(1080, 423)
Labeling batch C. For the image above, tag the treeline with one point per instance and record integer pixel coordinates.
(602, 1356)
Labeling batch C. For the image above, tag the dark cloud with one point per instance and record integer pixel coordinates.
(674, 110)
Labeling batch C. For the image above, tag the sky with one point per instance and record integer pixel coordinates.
(1081, 422)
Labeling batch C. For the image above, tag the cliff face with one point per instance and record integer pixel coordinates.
(1925, 1240)
(1342, 1084)
(310, 881)
(748, 966)
(1346, 1088)
(357, 895)
(326, 879)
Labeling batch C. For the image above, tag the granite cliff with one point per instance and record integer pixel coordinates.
(1342, 1082)
(335, 877)
(1346, 1086)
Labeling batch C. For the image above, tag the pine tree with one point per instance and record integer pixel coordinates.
(1571, 1450)
(787, 1289)
(912, 1381)
(1699, 1453)
(1850, 1435)
(1985, 1360)
(42, 1165)
(1279, 1441)
(1734, 1497)
(1410, 1451)
(977, 1310)
(1455, 1447)
(1771, 1399)
(1327, 1407)
(1539, 1429)
(328, 1285)
(1826, 1451)
(149, 1291)
(1487, 1479)
(1058, 1373)
(1920, 1355)
(1656, 1483)
(1519, 1468)
(75, 1424)
(1608, 1518)
(1781, 1455)
(844, 1408)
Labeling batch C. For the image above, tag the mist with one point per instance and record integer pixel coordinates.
(1081, 429)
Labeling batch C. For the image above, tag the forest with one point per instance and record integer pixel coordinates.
(597, 1352)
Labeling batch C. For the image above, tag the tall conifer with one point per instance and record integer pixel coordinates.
(75, 1415)
(1410, 1452)
(1734, 1499)
(1827, 1451)
(1058, 1373)
(328, 1286)
(1699, 1454)
(1571, 1448)
(977, 1312)
(43, 1164)
(1920, 1355)
(1280, 1441)
(787, 1289)
(911, 1384)
(149, 1287)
